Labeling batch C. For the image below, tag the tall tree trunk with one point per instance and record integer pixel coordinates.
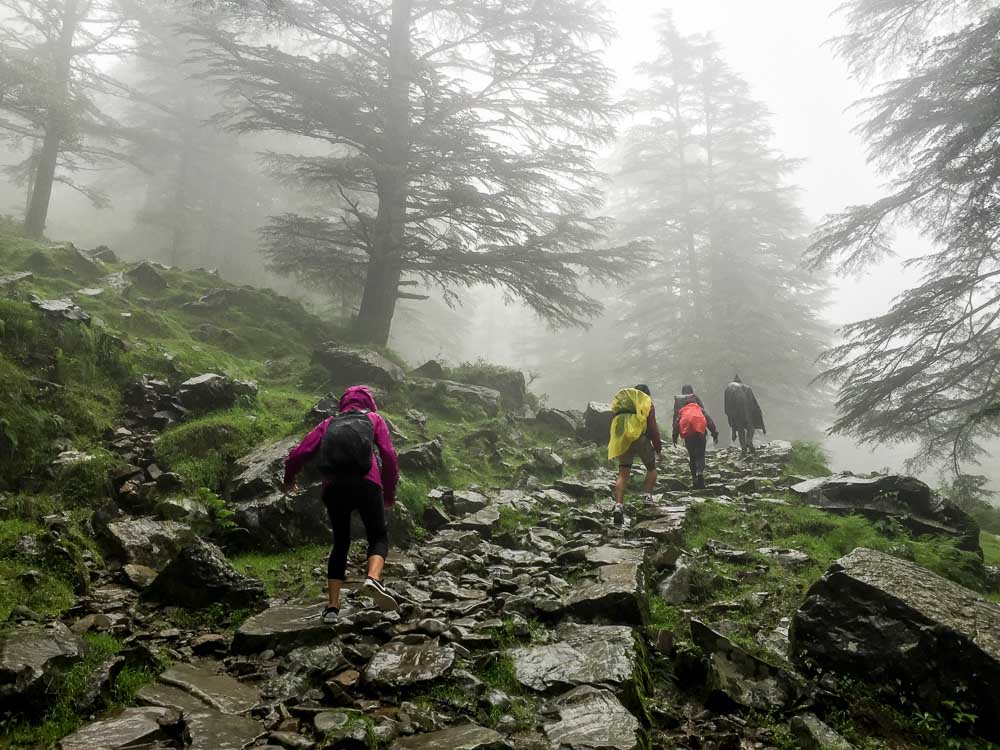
(55, 126)
(378, 302)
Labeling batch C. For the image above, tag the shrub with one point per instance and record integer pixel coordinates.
(808, 459)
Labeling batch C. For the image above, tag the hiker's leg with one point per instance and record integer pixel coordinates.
(338, 506)
(702, 444)
(621, 483)
(750, 431)
(372, 511)
(692, 461)
(649, 461)
(743, 439)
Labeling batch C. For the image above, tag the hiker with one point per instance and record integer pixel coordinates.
(355, 455)
(744, 414)
(692, 423)
(634, 434)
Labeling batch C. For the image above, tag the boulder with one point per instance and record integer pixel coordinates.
(812, 734)
(280, 521)
(145, 277)
(61, 309)
(596, 423)
(303, 669)
(283, 629)
(210, 391)
(465, 737)
(590, 718)
(559, 421)
(482, 522)
(893, 496)
(13, 279)
(617, 596)
(358, 366)
(201, 576)
(510, 384)
(33, 661)
(470, 396)
(423, 458)
(145, 541)
(261, 471)
(430, 369)
(892, 623)
(742, 678)
(128, 728)
(104, 254)
(400, 665)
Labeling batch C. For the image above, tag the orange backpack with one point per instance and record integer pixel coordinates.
(693, 421)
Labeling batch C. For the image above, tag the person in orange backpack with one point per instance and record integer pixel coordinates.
(693, 423)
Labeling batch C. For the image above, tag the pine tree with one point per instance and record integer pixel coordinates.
(927, 368)
(49, 90)
(697, 178)
(455, 143)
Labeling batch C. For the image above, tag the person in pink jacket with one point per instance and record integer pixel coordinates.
(343, 493)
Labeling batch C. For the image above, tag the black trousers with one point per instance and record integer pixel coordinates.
(696, 445)
(342, 498)
(745, 435)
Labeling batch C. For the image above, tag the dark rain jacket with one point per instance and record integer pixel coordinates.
(742, 409)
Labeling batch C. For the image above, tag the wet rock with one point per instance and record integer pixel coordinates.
(398, 665)
(616, 596)
(145, 541)
(467, 737)
(742, 678)
(261, 471)
(559, 421)
(510, 384)
(590, 718)
(145, 277)
(596, 423)
(104, 254)
(210, 643)
(599, 655)
(13, 279)
(218, 691)
(304, 670)
(282, 629)
(431, 369)
(890, 622)
(905, 498)
(465, 502)
(64, 309)
(423, 458)
(280, 521)
(182, 509)
(33, 660)
(472, 396)
(434, 518)
(210, 392)
(351, 366)
(676, 587)
(812, 734)
(292, 740)
(547, 461)
(96, 684)
(201, 576)
(482, 522)
(127, 728)
(139, 576)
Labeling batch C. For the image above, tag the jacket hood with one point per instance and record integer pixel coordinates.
(357, 397)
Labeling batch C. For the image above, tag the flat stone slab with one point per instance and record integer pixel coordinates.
(890, 622)
(34, 657)
(147, 541)
(218, 691)
(599, 655)
(400, 665)
(615, 597)
(131, 727)
(214, 730)
(614, 555)
(482, 522)
(468, 737)
(283, 629)
(592, 719)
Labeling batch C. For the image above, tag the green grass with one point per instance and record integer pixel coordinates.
(808, 460)
(991, 548)
(287, 574)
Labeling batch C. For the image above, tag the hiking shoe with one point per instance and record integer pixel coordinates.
(382, 598)
(619, 515)
(330, 615)
(647, 497)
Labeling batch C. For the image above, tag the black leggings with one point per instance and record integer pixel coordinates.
(696, 454)
(341, 499)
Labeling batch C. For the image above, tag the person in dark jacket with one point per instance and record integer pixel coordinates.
(644, 449)
(744, 414)
(342, 495)
(692, 422)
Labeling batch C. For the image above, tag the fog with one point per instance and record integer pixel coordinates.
(779, 48)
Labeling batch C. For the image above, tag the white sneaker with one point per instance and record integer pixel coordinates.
(382, 598)
(330, 615)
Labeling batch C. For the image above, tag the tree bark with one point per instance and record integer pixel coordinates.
(55, 126)
(378, 303)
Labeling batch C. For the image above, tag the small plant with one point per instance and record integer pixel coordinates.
(808, 459)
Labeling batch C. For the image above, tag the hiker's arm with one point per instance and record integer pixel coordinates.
(677, 426)
(711, 426)
(653, 430)
(303, 452)
(390, 464)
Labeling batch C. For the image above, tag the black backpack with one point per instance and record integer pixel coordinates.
(348, 445)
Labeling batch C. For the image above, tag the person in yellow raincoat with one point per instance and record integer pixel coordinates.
(634, 434)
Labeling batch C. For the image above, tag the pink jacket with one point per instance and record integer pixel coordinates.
(356, 398)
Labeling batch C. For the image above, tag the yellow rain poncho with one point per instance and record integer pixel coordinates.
(631, 410)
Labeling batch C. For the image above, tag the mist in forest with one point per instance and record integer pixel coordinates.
(598, 194)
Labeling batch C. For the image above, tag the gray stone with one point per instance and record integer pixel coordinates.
(358, 366)
(127, 728)
(559, 421)
(600, 655)
(210, 391)
(218, 691)
(182, 509)
(596, 422)
(292, 740)
(430, 369)
(482, 522)
(280, 521)
(905, 498)
(15, 278)
(146, 541)
(467, 737)
(510, 384)
(33, 659)
(473, 396)
(743, 678)
(201, 576)
(261, 471)
(788, 558)
(304, 669)
(617, 596)
(65, 309)
(139, 576)
(813, 734)
(423, 458)
(593, 719)
(465, 501)
(398, 665)
(145, 277)
(676, 587)
(890, 622)
(282, 629)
